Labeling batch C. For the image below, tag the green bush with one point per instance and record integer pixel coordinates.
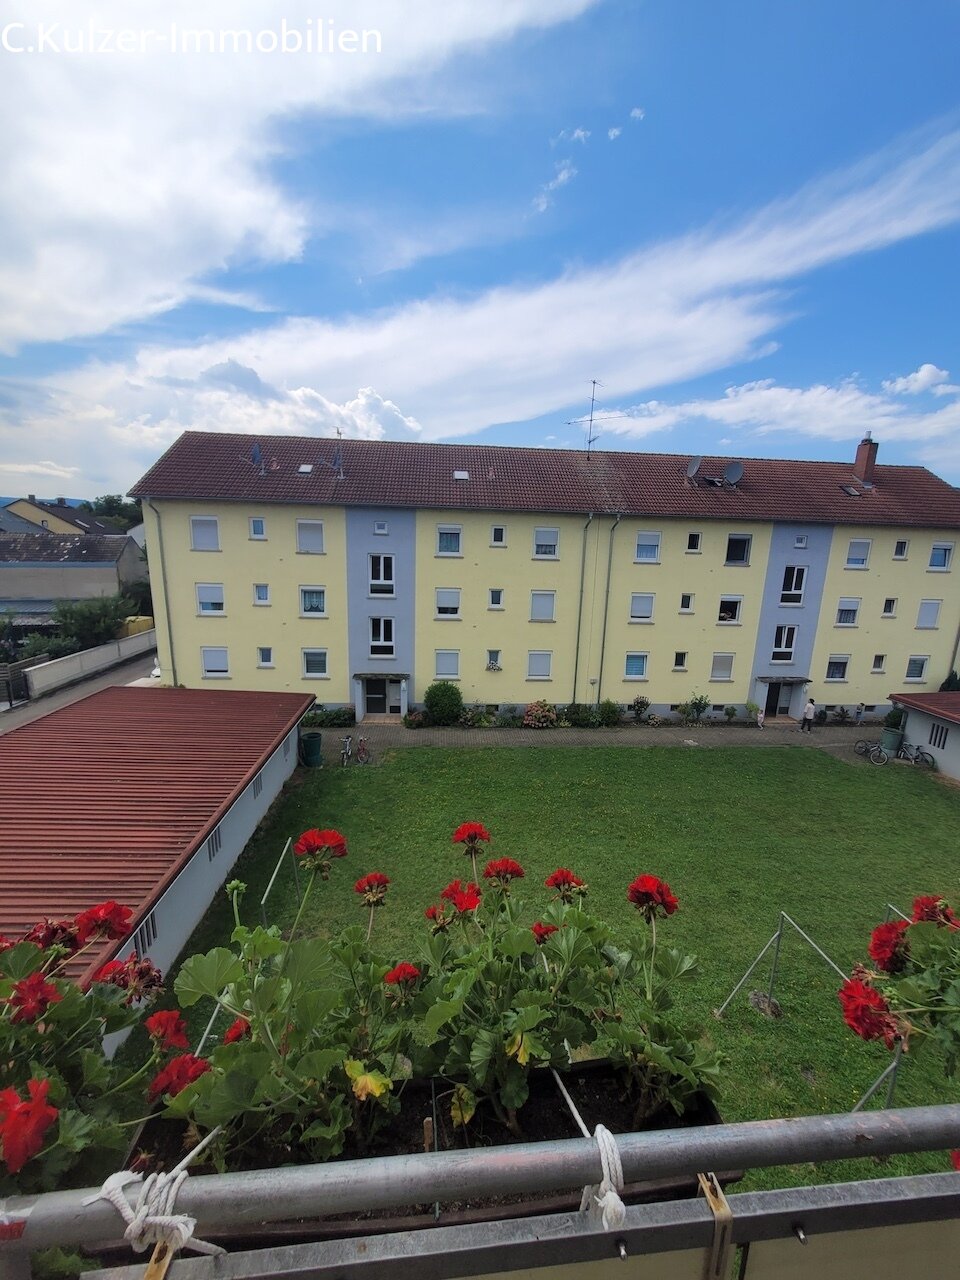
(841, 715)
(444, 702)
(639, 706)
(608, 713)
(581, 716)
(474, 717)
(330, 718)
(508, 717)
(731, 714)
(539, 715)
(697, 705)
(416, 720)
(894, 718)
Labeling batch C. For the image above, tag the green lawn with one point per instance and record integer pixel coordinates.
(739, 833)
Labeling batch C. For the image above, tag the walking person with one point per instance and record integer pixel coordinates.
(760, 718)
(861, 708)
(809, 711)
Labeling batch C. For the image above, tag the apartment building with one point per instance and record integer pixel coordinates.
(364, 570)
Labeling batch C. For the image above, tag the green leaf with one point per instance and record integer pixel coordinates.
(76, 1130)
(206, 975)
(309, 962)
(96, 1072)
(317, 1064)
(313, 1007)
(517, 942)
(20, 960)
(515, 1089)
(463, 1106)
(481, 1053)
(258, 943)
(440, 1013)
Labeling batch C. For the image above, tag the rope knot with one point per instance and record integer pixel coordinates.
(605, 1198)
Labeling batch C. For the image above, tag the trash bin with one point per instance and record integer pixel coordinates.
(310, 750)
(890, 740)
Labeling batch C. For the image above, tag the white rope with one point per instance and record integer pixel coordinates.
(153, 1220)
(605, 1198)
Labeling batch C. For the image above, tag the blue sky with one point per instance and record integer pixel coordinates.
(741, 219)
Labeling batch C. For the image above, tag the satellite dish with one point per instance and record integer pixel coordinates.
(693, 466)
(733, 472)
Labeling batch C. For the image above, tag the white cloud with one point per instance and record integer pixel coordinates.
(926, 378)
(637, 113)
(565, 172)
(45, 469)
(615, 132)
(580, 135)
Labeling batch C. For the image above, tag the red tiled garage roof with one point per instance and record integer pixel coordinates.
(945, 706)
(109, 797)
(204, 466)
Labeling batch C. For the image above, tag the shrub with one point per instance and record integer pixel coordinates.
(639, 706)
(654, 721)
(730, 713)
(894, 718)
(581, 716)
(752, 709)
(951, 684)
(697, 705)
(474, 717)
(330, 718)
(539, 715)
(415, 720)
(820, 715)
(444, 702)
(508, 717)
(841, 715)
(608, 713)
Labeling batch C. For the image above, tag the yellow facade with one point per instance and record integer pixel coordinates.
(28, 510)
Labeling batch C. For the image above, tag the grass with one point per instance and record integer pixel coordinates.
(739, 833)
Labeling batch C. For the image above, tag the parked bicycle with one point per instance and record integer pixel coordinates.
(346, 750)
(863, 746)
(363, 752)
(907, 751)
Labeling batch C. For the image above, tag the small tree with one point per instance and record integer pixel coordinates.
(444, 702)
(640, 706)
(608, 713)
(87, 623)
(697, 705)
(730, 713)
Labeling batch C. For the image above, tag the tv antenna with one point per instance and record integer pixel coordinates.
(256, 459)
(337, 463)
(591, 438)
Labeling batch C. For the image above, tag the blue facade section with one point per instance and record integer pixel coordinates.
(363, 541)
(812, 558)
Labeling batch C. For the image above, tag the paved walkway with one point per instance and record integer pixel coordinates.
(26, 712)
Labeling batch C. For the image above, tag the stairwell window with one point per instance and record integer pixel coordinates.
(848, 610)
(693, 543)
(495, 598)
(313, 602)
(641, 607)
(381, 638)
(722, 667)
(941, 554)
(858, 553)
(215, 663)
(648, 548)
(381, 576)
(738, 549)
(448, 602)
(314, 664)
(784, 642)
(265, 655)
(686, 602)
(204, 533)
(261, 593)
(635, 667)
(916, 669)
(448, 539)
(546, 544)
(543, 606)
(837, 665)
(210, 597)
(258, 529)
(879, 664)
(889, 607)
(680, 660)
(498, 535)
(791, 592)
(928, 615)
(900, 549)
(539, 664)
(729, 610)
(310, 537)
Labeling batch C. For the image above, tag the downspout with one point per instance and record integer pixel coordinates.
(166, 597)
(583, 569)
(606, 606)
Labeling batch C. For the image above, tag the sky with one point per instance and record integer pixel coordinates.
(450, 218)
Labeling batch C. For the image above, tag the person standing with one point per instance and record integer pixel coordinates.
(861, 708)
(760, 718)
(809, 711)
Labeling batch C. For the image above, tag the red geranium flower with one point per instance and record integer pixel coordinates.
(316, 848)
(470, 833)
(54, 933)
(107, 920)
(372, 888)
(5, 943)
(542, 932)
(140, 978)
(867, 1013)
(438, 919)
(955, 1160)
(566, 884)
(650, 895)
(463, 897)
(176, 1075)
(236, 1031)
(403, 974)
(168, 1029)
(31, 997)
(503, 870)
(888, 946)
(933, 909)
(23, 1124)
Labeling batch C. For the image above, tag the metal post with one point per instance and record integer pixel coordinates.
(296, 876)
(819, 950)
(894, 1072)
(776, 957)
(718, 1013)
(890, 1071)
(276, 871)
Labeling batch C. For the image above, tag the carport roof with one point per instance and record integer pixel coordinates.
(945, 706)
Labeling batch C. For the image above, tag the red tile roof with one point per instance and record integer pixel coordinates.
(61, 548)
(109, 797)
(203, 466)
(945, 706)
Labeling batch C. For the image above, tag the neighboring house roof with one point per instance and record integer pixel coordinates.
(60, 548)
(205, 466)
(26, 612)
(11, 523)
(138, 534)
(83, 521)
(945, 706)
(110, 797)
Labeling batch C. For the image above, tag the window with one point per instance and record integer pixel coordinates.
(448, 602)
(636, 667)
(265, 655)
(941, 554)
(693, 541)
(313, 602)
(858, 553)
(686, 602)
(257, 786)
(916, 668)
(146, 935)
(546, 543)
(493, 659)
(498, 535)
(928, 616)
(258, 528)
(496, 598)
(543, 606)
(800, 541)
(680, 660)
(314, 663)
(729, 610)
(539, 664)
(794, 576)
(648, 547)
(938, 736)
(879, 662)
(381, 576)
(381, 638)
(381, 528)
(641, 608)
(214, 843)
(900, 549)
(722, 668)
(261, 593)
(214, 663)
(448, 539)
(889, 607)
(204, 533)
(447, 664)
(310, 537)
(738, 549)
(784, 641)
(837, 667)
(847, 612)
(209, 597)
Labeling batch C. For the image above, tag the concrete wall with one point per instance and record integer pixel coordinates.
(67, 581)
(917, 727)
(49, 676)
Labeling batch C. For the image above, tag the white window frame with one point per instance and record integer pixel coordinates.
(792, 595)
(380, 528)
(382, 637)
(210, 588)
(491, 603)
(783, 632)
(889, 613)
(449, 530)
(642, 618)
(195, 523)
(838, 657)
(938, 735)
(800, 542)
(737, 601)
(947, 548)
(697, 547)
(449, 611)
(302, 527)
(691, 596)
(264, 664)
(494, 540)
(262, 535)
(380, 585)
(922, 677)
(745, 562)
(445, 675)
(314, 675)
(546, 536)
(727, 679)
(313, 613)
(493, 657)
(634, 675)
(261, 604)
(848, 604)
(901, 542)
(545, 598)
(929, 626)
(855, 561)
(214, 675)
(540, 653)
(680, 653)
(878, 670)
(648, 537)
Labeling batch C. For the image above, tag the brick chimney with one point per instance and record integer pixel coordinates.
(31, 497)
(866, 461)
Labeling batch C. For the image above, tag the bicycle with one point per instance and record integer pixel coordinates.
(878, 755)
(363, 752)
(346, 750)
(913, 755)
(863, 746)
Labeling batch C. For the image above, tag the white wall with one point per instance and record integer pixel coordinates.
(917, 731)
(61, 671)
